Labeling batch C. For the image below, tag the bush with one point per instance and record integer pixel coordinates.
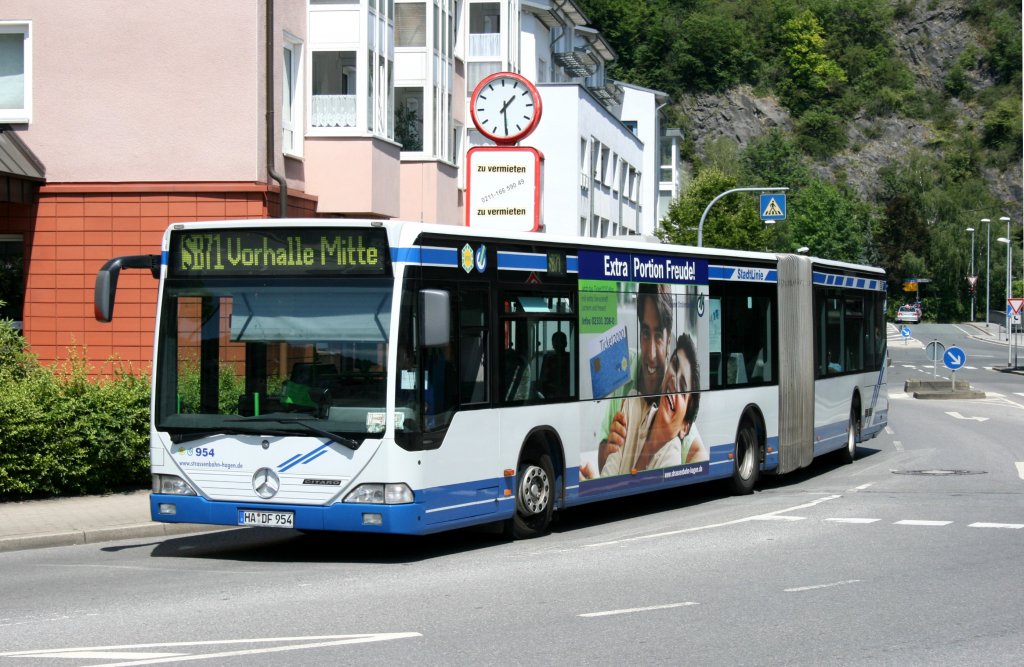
(62, 433)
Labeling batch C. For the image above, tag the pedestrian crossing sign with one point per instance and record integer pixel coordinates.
(773, 207)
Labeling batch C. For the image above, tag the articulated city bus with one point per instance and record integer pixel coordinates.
(406, 378)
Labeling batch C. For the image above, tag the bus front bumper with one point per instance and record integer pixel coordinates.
(401, 519)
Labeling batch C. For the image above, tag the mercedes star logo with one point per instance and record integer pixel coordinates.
(265, 483)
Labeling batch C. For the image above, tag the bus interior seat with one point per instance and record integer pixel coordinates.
(762, 370)
(736, 370)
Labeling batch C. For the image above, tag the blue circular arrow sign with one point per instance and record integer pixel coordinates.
(954, 358)
(905, 332)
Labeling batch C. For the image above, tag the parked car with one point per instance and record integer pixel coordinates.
(908, 314)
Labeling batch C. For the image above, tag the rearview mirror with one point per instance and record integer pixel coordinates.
(435, 318)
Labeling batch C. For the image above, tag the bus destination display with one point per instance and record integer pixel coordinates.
(296, 251)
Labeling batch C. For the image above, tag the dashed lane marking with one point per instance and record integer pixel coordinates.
(801, 589)
(921, 522)
(634, 610)
(851, 520)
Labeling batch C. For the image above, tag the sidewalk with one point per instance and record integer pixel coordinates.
(996, 334)
(54, 522)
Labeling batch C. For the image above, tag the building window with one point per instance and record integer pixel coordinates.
(291, 97)
(485, 29)
(409, 118)
(411, 24)
(15, 72)
(12, 278)
(334, 89)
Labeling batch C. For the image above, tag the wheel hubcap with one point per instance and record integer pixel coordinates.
(534, 490)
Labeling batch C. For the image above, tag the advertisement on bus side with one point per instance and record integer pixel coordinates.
(643, 340)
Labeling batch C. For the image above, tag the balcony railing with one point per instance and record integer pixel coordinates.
(333, 111)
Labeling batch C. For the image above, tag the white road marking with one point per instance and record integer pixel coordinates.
(143, 658)
(811, 588)
(852, 520)
(713, 525)
(634, 610)
(957, 415)
(779, 517)
(1020, 469)
(918, 522)
(888, 430)
(898, 445)
(1019, 393)
(862, 486)
(981, 524)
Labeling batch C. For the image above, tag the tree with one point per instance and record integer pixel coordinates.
(832, 222)
(732, 222)
(812, 75)
(772, 160)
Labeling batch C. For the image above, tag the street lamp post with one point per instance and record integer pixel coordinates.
(1009, 293)
(988, 265)
(700, 227)
(974, 285)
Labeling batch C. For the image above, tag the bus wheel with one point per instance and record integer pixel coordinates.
(746, 467)
(535, 498)
(849, 452)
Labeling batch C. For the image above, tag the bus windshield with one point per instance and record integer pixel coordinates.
(273, 357)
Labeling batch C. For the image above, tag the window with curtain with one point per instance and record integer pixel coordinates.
(411, 24)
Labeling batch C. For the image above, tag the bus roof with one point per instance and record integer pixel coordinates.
(405, 232)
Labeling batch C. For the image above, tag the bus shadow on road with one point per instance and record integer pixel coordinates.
(695, 495)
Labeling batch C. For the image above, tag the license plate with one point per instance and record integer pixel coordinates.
(266, 519)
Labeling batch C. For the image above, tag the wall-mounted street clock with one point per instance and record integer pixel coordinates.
(505, 108)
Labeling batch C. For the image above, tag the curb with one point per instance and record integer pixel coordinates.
(940, 390)
(99, 535)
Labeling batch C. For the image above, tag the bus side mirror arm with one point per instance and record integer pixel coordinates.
(106, 281)
(435, 317)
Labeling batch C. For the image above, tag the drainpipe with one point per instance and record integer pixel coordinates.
(271, 126)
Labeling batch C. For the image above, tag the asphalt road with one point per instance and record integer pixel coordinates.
(910, 556)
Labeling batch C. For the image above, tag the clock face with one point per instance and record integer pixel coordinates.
(505, 107)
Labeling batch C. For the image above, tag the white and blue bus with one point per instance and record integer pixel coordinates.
(398, 377)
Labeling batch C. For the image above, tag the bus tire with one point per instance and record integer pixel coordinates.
(535, 498)
(848, 453)
(746, 462)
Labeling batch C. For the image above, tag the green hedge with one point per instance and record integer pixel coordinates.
(62, 433)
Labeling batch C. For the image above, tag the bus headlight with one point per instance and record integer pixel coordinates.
(172, 485)
(381, 494)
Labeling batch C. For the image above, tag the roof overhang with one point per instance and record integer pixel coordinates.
(21, 172)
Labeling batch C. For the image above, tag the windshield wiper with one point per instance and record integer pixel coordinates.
(316, 430)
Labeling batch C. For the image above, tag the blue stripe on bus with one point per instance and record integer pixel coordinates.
(447, 257)
(164, 257)
(450, 506)
(521, 261)
(831, 279)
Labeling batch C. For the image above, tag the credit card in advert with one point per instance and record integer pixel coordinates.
(609, 368)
